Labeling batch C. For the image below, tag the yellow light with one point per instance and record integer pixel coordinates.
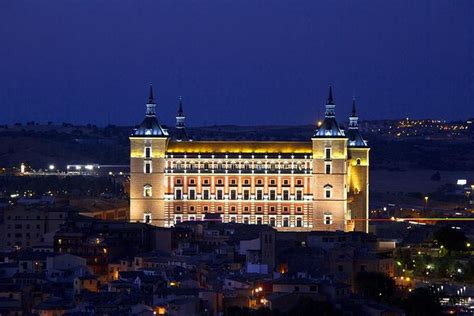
(468, 245)
(320, 123)
(105, 250)
(407, 279)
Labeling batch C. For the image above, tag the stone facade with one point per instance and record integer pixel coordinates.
(320, 184)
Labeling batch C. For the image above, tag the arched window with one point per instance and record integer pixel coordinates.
(328, 191)
(358, 161)
(147, 190)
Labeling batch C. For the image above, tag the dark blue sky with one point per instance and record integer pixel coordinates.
(240, 61)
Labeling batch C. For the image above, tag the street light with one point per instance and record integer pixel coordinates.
(426, 201)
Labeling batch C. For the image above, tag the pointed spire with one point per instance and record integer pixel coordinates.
(180, 108)
(150, 105)
(353, 119)
(150, 95)
(330, 98)
(353, 114)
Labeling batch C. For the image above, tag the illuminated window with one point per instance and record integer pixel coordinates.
(147, 218)
(233, 194)
(327, 219)
(147, 167)
(147, 190)
(148, 152)
(272, 195)
(327, 154)
(246, 194)
(272, 221)
(299, 222)
(327, 168)
(299, 195)
(178, 194)
(286, 195)
(327, 191)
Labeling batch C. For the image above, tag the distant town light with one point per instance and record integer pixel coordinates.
(51, 167)
(461, 182)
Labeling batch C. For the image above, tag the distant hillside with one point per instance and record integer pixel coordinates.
(41, 145)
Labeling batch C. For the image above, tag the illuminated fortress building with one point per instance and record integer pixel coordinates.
(319, 184)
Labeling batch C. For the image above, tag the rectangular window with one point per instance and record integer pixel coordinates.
(177, 219)
(205, 194)
(192, 194)
(259, 221)
(147, 218)
(327, 153)
(233, 219)
(219, 195)
(148, 152)
(233, 194)
(246, 195)
(328, 168)
(246, 220)
(327, 193)
(259, 195)
(286, 222)
(286, 195)
(178, 194)
(299, 222)
(299, 195)
(327, 219)
(272, 195)
(272, 222)
(147, 168)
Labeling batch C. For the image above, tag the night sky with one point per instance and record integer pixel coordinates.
(241, 62)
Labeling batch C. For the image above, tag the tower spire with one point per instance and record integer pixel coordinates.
(330, 98)
(181, 134)
(353, 114)
(150, 95)
(330, 106)
(150, 105)
(353, 119)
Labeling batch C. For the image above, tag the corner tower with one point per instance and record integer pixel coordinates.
(181, 134)
(358, 194)
(148, 143)
(329, 180)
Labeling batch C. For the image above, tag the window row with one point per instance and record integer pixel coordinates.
(233, 194)
(235, 181)
(148, 167)
(234, 209)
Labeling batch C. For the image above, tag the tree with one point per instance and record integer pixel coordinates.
(375, 285)
(421, 302)
(451, 239)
